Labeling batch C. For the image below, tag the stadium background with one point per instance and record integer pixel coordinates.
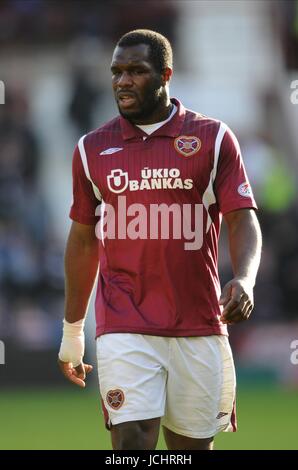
(234, 60)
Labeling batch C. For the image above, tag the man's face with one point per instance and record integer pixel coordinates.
(137, 85)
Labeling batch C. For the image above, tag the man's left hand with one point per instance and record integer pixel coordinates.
(237, 300)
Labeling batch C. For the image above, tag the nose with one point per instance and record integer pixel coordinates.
(124, 79)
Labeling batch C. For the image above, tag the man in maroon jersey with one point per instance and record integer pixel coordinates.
(150, 188)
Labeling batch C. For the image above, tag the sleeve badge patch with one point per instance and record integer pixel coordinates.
(245, 190)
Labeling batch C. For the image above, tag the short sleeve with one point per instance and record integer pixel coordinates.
(232, 188)
(84, 200)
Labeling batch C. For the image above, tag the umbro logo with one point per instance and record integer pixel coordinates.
(111, 150)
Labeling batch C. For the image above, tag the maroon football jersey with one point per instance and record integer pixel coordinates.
(156, 202)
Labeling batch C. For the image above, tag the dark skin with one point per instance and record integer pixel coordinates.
(142, 96)
(81, 265)
(245, 241)
(141, 92)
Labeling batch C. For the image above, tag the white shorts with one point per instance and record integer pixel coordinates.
(189, 382)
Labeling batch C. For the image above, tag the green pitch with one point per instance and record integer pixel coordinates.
(70, 419)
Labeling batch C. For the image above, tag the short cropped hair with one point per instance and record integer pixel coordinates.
(160, 54)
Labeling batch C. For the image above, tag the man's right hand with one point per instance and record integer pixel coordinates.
(77, 374)
(70, 357)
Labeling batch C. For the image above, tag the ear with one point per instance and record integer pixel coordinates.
(166, 75)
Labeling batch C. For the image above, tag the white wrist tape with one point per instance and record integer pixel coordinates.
(73, 342)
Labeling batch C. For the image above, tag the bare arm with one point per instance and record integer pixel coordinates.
(245, 242)
(81, 265)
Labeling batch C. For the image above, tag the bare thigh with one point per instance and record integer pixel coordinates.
(136, 435)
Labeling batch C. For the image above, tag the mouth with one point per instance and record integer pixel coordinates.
(126, 99)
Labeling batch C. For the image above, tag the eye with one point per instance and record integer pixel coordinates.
(138, 71)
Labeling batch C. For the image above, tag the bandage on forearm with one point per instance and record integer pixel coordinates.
(73, 342)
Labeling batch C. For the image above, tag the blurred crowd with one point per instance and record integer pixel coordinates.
(286, 19)
(53, 22)
(31, 273)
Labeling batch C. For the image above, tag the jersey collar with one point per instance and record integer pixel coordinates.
(170, 129)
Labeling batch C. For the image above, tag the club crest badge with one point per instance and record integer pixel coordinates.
(187, 145)
(115, 398)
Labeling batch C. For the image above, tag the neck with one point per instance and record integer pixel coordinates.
(160, 113)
